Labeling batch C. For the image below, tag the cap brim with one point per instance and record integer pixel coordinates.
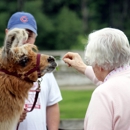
(26, 26)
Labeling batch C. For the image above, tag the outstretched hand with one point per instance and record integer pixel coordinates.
(74, 60)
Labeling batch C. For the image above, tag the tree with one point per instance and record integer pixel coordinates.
(84, 15)
(20, 5)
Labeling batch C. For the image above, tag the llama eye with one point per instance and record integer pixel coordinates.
(23, 62)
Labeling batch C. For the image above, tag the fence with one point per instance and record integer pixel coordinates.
(67, 76)
(71, 124)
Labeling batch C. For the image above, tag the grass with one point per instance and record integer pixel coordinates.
(74, 103)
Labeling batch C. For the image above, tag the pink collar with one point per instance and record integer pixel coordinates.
(120, 69)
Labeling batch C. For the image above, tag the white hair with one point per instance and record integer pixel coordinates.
(108, 48)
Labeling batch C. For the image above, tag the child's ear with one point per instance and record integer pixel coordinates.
(6, 31)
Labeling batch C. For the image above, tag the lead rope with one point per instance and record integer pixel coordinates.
(35, 99)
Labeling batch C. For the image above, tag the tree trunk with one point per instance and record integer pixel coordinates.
(84, 14)
(20, 5)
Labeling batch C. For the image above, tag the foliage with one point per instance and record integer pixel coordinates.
(5, 12)
(3, 17)
(68, 27)
(64, 24)
(82, 42)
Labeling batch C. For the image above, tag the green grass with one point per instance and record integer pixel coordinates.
(74, 103)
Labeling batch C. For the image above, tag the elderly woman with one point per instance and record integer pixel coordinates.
(108, 54)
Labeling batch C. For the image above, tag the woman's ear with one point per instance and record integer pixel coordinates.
(6, 31)
(101, 69)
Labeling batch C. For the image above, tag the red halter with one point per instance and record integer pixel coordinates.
(36, 68)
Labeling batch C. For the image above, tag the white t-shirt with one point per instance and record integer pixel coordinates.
(49, 95)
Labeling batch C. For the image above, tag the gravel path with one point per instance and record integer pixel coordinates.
(78, 87)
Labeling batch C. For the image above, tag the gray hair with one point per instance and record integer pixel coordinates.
(108, 48)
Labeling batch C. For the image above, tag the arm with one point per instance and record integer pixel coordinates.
(74, 60)
(52, 107)
(90, 74)
(53, 117)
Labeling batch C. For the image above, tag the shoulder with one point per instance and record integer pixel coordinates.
(106, 86)
(112, 87)
(106, 89)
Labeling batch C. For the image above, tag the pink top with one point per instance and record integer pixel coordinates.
(90, 74)
(109, 108)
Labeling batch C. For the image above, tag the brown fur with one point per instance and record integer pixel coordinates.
(14, 89)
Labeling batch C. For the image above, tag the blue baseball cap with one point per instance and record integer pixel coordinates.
(22, 20)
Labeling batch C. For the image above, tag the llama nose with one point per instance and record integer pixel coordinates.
(51, 59)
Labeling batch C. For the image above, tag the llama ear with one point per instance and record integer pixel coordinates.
(15, 38)
(5, 55)
(9, 38)
(30, 47)
(34, 48)
(6, 50)
(6, 47)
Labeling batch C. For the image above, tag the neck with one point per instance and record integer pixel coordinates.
(105, 73)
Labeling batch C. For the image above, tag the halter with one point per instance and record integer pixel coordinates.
(36, 68)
